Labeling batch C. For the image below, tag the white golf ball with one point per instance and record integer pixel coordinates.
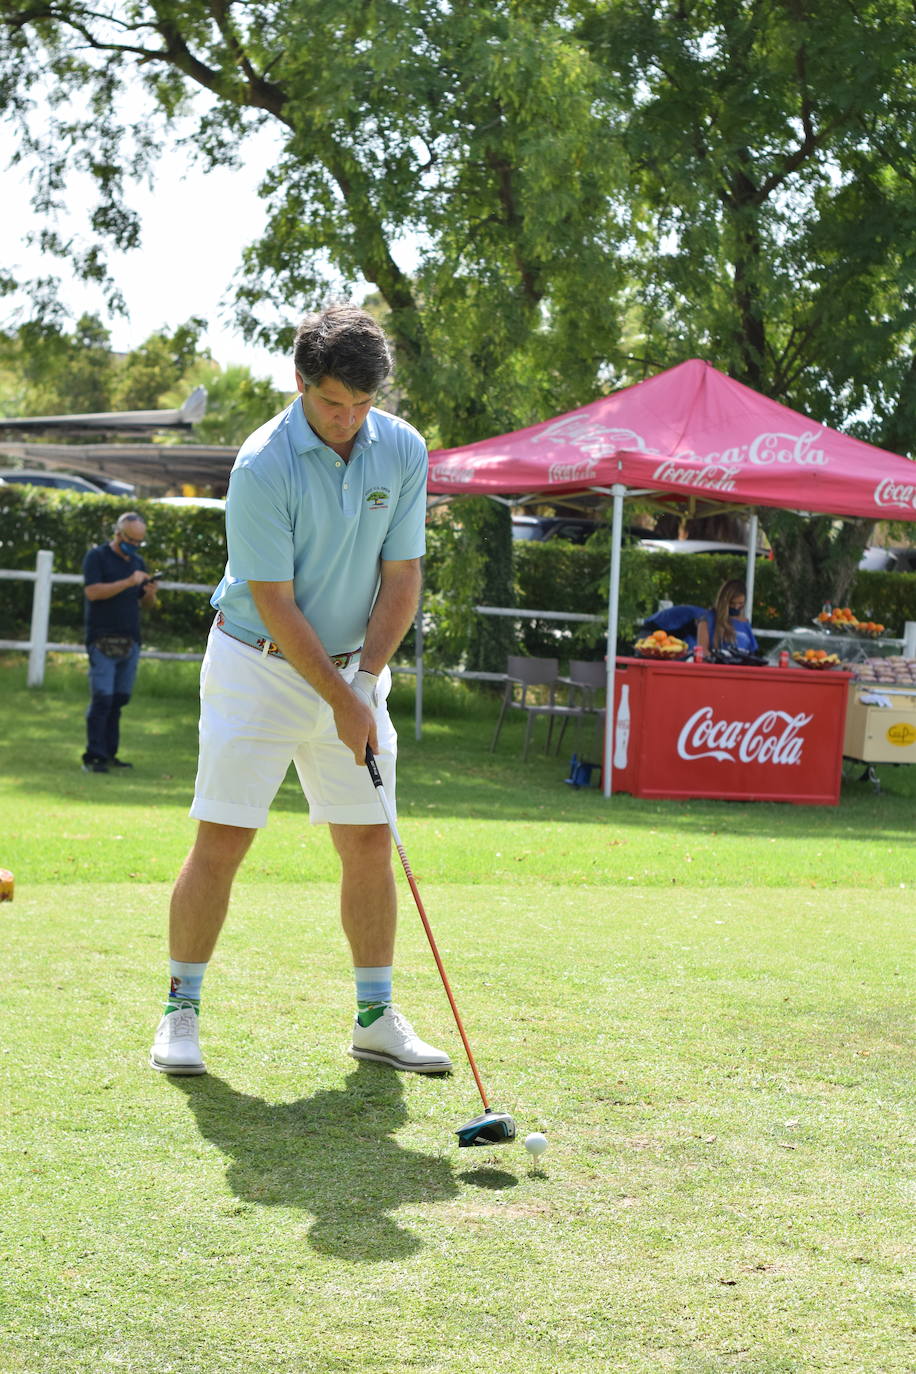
(536, 1143)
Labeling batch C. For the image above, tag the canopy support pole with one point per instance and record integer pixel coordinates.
(618, 491)
(751, 566)
(418, 657)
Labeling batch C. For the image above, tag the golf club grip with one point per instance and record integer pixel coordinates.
(412, 882)
(371, 764)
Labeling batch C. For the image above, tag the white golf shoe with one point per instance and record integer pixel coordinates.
(391, 1039)
(176, 1048)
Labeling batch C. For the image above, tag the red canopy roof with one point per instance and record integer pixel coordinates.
(690, 431)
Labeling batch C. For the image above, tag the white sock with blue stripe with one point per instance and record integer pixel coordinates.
(373, 992)
(185, 986)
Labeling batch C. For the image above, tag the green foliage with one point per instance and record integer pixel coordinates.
(773, 229)
(50, 371)
(237, 404)
(889, 598)
(186, 545)
(468, 564)
(597, 190)
(157, 366)
(473, 128)
(47, 370)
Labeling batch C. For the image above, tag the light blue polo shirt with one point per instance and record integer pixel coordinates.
(296, 511)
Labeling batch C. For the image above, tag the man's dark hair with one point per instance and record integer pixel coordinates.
(345, 343)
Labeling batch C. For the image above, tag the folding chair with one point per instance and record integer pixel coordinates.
(523, 674)
(585, 681)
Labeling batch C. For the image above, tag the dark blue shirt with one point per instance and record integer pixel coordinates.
(120, 614)
(745, 641)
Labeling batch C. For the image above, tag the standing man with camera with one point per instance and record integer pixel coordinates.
(116, 586)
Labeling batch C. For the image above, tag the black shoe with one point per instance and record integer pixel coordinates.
(119, 763)
(95, 766)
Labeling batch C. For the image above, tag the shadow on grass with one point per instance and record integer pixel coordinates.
(493, 1179)
(330, 1154)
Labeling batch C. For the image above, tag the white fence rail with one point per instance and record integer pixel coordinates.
(38, 646)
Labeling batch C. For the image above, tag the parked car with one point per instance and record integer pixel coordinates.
(113, 486)
(685, 546)
(65, 481)
(213, 502)
(574, 529)
(888, 560)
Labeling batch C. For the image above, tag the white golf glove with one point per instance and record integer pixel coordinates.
(365, 685)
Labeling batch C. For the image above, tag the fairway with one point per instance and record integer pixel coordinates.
(723, 1069)
(724, 1181)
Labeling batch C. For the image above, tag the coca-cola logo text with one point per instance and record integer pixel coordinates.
(589, 436)
(445, 472)
(773, 737)
(891, 493)
(711, 477)
(582, 471)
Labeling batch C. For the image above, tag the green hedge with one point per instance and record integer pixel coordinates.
(188, 545)
(555, 576)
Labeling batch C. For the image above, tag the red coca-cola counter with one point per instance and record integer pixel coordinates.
(729, 732)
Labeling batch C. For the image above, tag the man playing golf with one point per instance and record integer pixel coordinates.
(325, 529)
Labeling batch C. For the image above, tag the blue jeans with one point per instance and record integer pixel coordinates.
(111, 681)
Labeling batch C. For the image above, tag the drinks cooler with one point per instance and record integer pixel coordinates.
(729, 732)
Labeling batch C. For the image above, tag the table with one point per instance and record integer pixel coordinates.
(729, 732)
(848, 647)
(880, 733)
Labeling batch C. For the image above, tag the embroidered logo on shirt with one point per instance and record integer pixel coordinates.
(377, 499)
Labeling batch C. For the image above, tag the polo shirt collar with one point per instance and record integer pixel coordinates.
(304, 437)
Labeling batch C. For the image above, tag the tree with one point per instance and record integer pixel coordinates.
(237, 403)
(598, 188)
(47, 370)
(467, 126)
(157, 366)
(50, 371)
(770, 152)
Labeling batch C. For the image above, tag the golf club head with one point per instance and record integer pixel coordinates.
(493, 1128)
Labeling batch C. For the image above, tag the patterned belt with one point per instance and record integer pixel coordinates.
(267, 646)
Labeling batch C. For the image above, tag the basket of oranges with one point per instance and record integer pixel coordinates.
(841, 619)
(660, 644)
(817, 658)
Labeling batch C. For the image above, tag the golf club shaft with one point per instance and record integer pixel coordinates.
(376, 777)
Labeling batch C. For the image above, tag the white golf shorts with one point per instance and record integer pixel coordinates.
(257, 715)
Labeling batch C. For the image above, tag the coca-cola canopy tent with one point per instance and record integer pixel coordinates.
(690, 433)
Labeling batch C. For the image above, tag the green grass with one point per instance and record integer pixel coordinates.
(720, 1051)
(470, 816)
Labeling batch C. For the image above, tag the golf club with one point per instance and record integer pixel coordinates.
(492, 1128)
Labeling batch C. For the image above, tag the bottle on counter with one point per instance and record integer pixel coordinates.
(699, 653)
(783, 658)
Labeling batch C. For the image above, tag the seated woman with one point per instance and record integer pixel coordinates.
(724, 627)
(678, 620)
